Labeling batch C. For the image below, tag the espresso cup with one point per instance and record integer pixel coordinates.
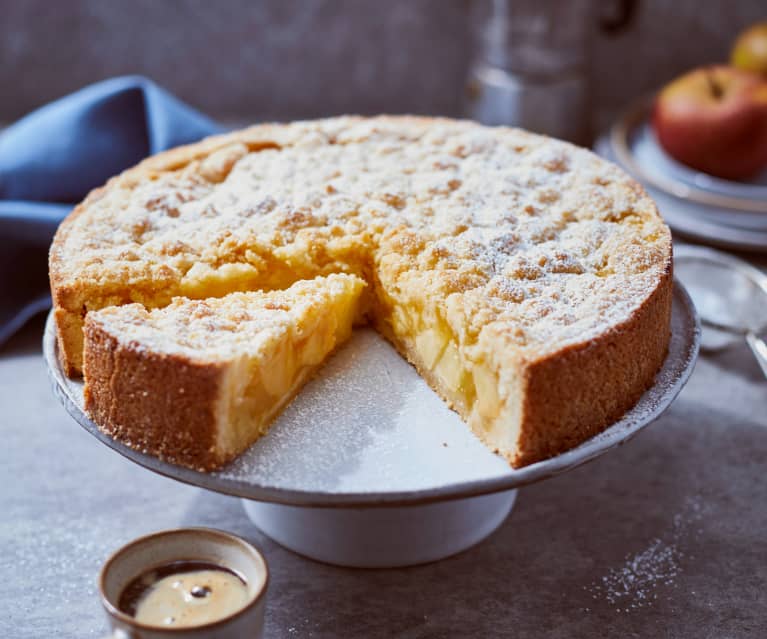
(204, 545)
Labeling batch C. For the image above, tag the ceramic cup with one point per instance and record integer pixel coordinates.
(186, 544)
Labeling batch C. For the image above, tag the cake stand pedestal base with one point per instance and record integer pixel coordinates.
(382, 536)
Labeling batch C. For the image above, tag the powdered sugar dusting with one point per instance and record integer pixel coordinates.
(226, 328)
(646, 576)
(440, 207)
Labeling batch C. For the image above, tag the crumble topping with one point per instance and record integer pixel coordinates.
(225, 328)
(506, 225)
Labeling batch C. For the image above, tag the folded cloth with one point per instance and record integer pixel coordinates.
(52, 158)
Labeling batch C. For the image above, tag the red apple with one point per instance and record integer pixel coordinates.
(714, 119)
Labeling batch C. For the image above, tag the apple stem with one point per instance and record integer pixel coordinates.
(716, 88)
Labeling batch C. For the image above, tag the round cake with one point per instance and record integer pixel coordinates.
(528, 280)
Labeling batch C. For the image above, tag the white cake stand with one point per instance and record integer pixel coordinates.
(368, 467)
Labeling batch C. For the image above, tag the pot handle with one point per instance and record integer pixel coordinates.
(759, 348)
(618, 17)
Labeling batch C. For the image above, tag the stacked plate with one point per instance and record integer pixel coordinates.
(694, 204)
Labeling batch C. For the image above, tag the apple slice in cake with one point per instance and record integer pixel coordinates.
(198, 381)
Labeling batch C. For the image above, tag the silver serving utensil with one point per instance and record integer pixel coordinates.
(736, 309)
(757, 345)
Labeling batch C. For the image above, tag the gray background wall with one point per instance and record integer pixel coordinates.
(284, 59)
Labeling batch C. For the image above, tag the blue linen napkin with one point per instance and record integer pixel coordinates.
(52, 158)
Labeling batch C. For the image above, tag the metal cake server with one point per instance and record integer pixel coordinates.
(729, 294)
(757, 345)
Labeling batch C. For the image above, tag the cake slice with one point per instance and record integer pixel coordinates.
(198, 381)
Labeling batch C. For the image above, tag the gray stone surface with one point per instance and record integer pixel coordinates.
(286, 59)
(663, 537)
(666, 536)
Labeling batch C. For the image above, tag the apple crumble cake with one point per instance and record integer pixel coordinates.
(528, 280)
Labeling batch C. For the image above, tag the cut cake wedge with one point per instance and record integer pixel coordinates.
(198, 381)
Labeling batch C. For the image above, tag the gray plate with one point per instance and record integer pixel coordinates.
(369, 431)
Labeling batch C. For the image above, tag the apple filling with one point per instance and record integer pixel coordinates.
(257, 388)
(472, 387)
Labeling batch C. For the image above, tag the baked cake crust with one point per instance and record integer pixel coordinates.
(528, 280)
(124, 408)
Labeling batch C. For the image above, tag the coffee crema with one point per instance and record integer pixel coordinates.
(184, 594)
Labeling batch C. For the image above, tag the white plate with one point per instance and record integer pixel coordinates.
(369, 431)
(650, 155)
